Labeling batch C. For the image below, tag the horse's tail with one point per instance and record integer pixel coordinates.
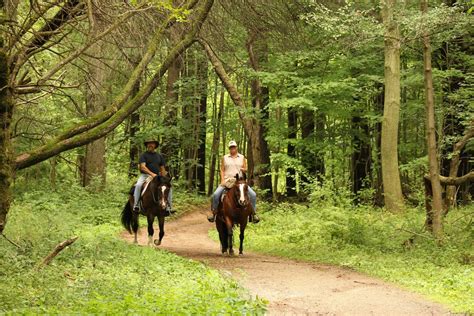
(127, 217)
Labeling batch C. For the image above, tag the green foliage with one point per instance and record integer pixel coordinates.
(100, 273)
(392, 247)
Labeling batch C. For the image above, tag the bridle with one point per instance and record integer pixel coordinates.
(243, 200)
(163, 188)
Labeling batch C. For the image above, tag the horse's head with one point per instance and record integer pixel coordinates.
(162, 187)
(241, 190)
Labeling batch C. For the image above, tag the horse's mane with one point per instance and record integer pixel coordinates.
(163, 180)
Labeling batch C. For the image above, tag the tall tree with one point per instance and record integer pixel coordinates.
(217, 122)
(6, 113)
(134, 148)
(257, 48)
(96, 89)
(361, 156)
(437, 207)
(291, 151)
(171, 141)
(202, 77)
(391, 116)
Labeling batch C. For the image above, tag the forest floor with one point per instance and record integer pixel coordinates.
(291, 286)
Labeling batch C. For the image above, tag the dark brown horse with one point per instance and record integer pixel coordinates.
(154, 203)
(234, 209)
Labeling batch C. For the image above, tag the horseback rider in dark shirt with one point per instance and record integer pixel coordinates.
(151, 164)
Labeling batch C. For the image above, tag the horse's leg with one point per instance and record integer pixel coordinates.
(151, 219)
(222, 235)
(230, 234)
(161, 224)
(242, 230)
(135, 227)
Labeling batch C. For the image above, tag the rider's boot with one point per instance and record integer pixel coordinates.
(169, 211)
(211, 217)
(254, 217)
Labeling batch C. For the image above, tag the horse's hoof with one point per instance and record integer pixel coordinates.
(157, 242)
(241, 254)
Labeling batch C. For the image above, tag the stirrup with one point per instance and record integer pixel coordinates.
(211, 218)
(169, 211)
(254, 218)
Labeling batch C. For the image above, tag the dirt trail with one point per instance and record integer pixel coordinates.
(292, 287)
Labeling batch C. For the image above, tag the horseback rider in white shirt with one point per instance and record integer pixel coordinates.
(232, 164)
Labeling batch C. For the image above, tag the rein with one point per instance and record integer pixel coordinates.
(236, 200)
(155, 200)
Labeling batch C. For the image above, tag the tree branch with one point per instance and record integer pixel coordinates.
(468, 177)
(59, 247)
(70, 10)
(225, 79)
(110, 122)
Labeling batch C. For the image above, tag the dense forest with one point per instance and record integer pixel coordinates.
(347, 111)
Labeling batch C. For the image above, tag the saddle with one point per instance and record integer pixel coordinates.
(144, 188)
(224, 192)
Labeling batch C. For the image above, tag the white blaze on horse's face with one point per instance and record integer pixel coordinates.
(163, 201)
(242, 194)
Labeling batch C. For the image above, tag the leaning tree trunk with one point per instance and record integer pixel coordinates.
(389, 152)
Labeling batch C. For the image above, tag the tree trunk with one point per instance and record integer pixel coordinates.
(437, 206)
(190, 116)
(6, 113)
(308, 156)
(202, 76)
(378, 102)
(258, 53)
(134, 147)
(389, 152)
(171, 140)
(96, 89)
(215, 143)
(361, 157)
(291, 150)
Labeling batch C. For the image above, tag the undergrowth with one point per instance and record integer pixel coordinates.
(100, 273)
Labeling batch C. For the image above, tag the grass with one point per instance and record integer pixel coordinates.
(100, 273)
(375, 242)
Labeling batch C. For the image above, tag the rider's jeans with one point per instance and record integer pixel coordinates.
(217, 196)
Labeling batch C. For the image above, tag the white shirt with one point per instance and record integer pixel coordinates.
(232, 165)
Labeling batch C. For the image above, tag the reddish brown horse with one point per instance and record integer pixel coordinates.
(234, 209)
(154, 202)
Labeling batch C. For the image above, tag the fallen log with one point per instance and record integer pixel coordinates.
(59, 247)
